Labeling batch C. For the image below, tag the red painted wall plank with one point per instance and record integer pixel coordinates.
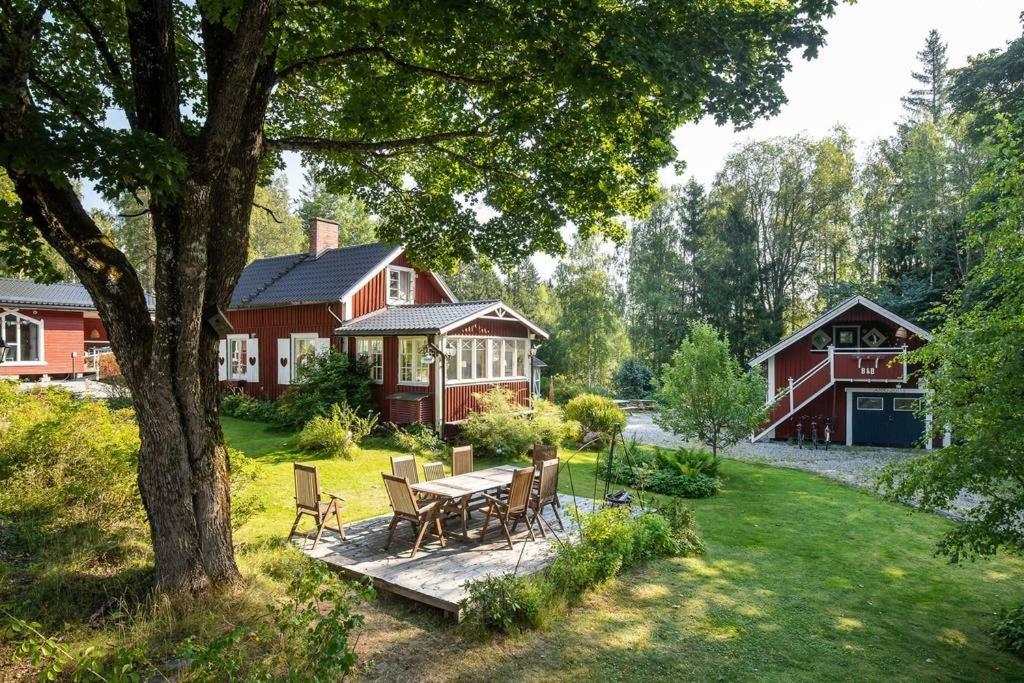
(63, 334)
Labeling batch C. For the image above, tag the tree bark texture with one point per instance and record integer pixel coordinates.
(169, 356)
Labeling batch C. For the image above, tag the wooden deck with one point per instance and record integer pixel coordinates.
(437, 576)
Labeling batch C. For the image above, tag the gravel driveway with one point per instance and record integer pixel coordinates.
(855, 465)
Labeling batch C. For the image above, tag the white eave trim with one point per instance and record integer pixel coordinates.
(490, 309)
(444, 287)
(829, 315)
(372, 273)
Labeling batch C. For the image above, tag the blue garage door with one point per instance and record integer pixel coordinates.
(886, 419)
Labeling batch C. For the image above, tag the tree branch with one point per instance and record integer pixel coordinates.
(106, 54)
(269, 211)
(387, 55)
(56, 96)
(302, 143)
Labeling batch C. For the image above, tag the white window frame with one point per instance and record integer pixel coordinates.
(492, 345)
(401, 271)
(375, 358)
(42, 342)
(416, 367)
(228, 356)
(871, 398)
(915, 399)
(296, 337)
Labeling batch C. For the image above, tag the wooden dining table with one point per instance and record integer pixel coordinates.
(460, 488)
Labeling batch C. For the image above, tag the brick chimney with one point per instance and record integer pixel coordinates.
(323, 235)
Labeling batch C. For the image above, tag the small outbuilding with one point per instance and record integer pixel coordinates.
(847, 369)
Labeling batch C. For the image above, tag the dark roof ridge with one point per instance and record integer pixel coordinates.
(266, 285)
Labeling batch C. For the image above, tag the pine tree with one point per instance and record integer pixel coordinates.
(931, 99)
(355, 224)
(476, 281)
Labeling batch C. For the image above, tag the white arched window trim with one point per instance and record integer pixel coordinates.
(42, 338)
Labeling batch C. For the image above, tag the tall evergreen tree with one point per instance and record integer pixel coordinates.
(931, 99)
(355, 224)
(477, 280)
(657, 283)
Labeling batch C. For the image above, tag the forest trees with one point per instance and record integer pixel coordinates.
(589, 340)
(974, 364)
(793, 225)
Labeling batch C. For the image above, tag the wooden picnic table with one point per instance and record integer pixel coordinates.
(460, 488)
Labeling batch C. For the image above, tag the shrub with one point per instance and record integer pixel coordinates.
(549, 426)
(1009, 631)
(566, 389)
(687, 473)
(671, 484)
(499, 426)
(337, 434)
(611, 539)
(688, 462)
(634, 379)
(596, 415)
(325, 380)
(417, 438)
(245, 407)
(684, 528)
(504, 603)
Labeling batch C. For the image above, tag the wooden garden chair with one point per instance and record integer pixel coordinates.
(515, 509)
(405, 466)
(462, 460)
(432, 471)
(541, 453)
(407, 507)
(308, 501)
(546, 495)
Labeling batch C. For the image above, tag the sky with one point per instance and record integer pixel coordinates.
(856, 80)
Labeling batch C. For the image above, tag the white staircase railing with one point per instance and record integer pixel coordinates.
(789, 393)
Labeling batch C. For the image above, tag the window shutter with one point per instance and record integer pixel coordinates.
(284, 361)
(252, 368)
(222, 360)
(322, 345)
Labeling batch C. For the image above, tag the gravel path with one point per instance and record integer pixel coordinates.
(855, 466)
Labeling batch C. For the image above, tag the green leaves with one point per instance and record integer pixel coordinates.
(704, 394)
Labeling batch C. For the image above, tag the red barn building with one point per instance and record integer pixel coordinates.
(847, 367)
(47, 329)
(428, 352)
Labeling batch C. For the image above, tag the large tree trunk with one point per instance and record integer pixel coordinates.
(168, 358)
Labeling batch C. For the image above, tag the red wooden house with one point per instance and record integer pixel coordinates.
(428, 352)
(847, 367)
(47, 329)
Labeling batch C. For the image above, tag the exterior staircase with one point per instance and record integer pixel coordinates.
(799, 393)
(845, 365)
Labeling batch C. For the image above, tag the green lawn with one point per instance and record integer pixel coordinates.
(804, 579)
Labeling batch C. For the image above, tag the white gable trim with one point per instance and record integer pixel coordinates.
(346, 298)
(501, 311)
(444, 287)
(837, 311)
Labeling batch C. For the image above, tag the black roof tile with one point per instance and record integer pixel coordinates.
(301, 278)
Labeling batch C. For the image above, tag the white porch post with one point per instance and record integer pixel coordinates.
(439, 376)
